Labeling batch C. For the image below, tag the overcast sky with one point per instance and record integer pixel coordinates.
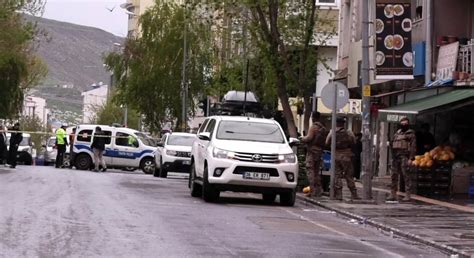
(90, 13)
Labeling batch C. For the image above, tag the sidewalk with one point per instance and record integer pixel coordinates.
(445, 226)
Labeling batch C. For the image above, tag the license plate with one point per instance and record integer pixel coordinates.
(256, 175)
(187, 162)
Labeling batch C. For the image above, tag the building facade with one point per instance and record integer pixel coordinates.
(93, 100)
(36, 106)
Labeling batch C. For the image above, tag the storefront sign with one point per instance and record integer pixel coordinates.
(447, 59)
(394, 117)
(393, 25)
(353, 107)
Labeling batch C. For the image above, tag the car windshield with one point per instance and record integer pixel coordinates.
(250, 131)
(145, 139)
(51, 142)
(181, 140)
(25, 141)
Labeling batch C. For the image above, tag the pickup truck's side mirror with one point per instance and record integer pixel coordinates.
(205, 136)
(160, 144)
(293, 141)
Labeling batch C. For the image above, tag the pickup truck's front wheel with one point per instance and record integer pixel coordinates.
(288, 199)
(195, 188)
(209, 193)
(269, 197)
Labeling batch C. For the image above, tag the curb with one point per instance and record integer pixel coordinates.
(387, 228)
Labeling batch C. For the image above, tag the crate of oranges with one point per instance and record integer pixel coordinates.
(439, 156)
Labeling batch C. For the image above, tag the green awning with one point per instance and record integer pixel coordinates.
(442, 102)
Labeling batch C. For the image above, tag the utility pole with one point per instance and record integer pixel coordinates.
(428, 41)
(184, 84)
(366, 174)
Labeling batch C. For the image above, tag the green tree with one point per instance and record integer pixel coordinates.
(149, 71)
(34, 124)
(283, 38)
(112, 113)
(20, 68)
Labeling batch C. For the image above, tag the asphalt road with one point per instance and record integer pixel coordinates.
(47, 212)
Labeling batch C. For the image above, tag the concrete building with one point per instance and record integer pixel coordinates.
(93, 100)
(437, 66)
(36, 106)
(136, 8)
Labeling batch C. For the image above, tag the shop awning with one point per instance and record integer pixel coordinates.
(442, 102)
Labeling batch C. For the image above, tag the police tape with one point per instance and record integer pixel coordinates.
(83, 135)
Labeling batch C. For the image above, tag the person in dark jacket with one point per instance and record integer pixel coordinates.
(356, 158)
(3, 145)
(98, 148)
(15, 140)
(72, 155)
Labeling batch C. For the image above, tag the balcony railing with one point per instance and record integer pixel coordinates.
(466, 58)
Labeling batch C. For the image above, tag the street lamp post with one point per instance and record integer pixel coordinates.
(184, 85)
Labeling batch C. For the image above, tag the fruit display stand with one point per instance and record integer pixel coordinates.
(433, 175)
(434, 180)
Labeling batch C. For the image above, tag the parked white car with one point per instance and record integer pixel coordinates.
(174, 153)
(245, 155)
(50, 153)
(25, 149)
(119, 153)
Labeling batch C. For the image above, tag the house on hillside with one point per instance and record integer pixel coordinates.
(93, 100)
(35, 106)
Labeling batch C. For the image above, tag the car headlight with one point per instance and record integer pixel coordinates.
(170, 152)
(222, 154)
(287, 158)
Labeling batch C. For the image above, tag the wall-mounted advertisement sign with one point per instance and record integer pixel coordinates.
(447, 59)
(394, 55)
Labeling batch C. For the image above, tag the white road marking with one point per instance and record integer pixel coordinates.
(388, 252)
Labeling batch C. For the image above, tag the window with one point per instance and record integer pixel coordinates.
(250, 131)
(145, 139)
(108, 137)
(327, 2)
(201, 129)
(84, 136)
(181, 140)
(26, 141)
(123, 139)
(51, 142)
(210, 127)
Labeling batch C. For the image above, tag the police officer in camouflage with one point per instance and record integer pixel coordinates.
(315, 140)
(403, 153)
(345, 140)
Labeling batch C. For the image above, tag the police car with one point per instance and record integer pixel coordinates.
(124, 148)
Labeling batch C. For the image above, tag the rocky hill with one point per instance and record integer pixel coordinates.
(73, 54)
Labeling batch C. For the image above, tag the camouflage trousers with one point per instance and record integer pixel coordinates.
(313, 167)
(400, 166)
(344, 170)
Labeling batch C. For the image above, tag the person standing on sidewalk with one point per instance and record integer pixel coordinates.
(403, 153)
(98, 148)
(61, 142)
(345, 140)
(15, 139)
(315, 141)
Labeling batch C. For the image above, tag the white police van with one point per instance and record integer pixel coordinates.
(118, 152)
